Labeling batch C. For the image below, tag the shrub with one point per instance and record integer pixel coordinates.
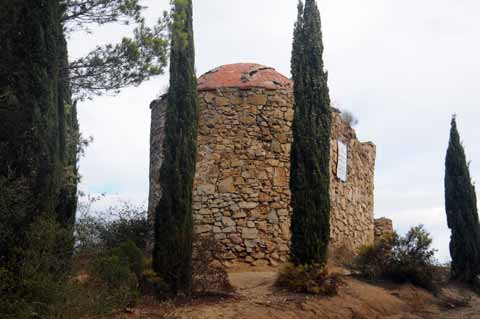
(15, 207)
(209, 275)
(100, 231)
(44, 288)
(151, 284)
(342, 255)
(412, 259)
(126, 223)
(132, 256)
(32, 282)
(312, 279)
(349, 119)
(372, 260)
(401, 259)
(47, 288)
(114, 272)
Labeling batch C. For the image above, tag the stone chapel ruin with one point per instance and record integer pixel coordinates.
(241, 187)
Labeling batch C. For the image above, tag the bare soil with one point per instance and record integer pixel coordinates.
(257, 298)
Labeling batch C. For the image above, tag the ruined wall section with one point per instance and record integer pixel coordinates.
(383, 228)
(241, 191)
(157, 136)
(352, 202)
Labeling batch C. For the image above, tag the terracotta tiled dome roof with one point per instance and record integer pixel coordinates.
(244, 76)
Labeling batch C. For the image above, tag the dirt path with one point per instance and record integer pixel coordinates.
(256, 298)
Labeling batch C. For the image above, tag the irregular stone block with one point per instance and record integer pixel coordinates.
(206, 189)
(221, 101)
(273, 217)
(249, 233)
(280, 177)
(227, 221)
(227, 186)
(201, 229)
(235, 238)
(257, 99)
(248, 205)
(239, 215)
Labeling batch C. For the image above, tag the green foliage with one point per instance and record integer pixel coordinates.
(310, 155)
(154, 285)
(112, 271)
(100, 231)
(349, 119)
(109, 68)
(32, 117)
(27, 287)
(131, 255)
(107, 244)
(173, 217)
(136, 229)
(80, 13)
(34, 267)
(115, 229)
(412, 258)
(120, 270)
(15, 206)
(40, 144)
(372, 260)
(131, 62)
(462, 214)
(33, 125)
(73, 148)
(402, 259)
(313, 279)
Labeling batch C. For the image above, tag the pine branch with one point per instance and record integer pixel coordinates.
(129, 63)
(80, 13)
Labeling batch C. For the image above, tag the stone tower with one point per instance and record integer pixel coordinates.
(241, 188)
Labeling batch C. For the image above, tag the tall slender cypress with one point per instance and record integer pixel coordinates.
(461, 209)
(172, 256)
(69, 139)
(34, 90)
(310, 155)
(34, 157)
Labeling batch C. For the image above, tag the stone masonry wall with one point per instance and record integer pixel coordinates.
(241, 191)
(157, 129)
(383, 227)
(351, 201)
(241, 187)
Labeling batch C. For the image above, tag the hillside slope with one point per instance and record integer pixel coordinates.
(256, 298)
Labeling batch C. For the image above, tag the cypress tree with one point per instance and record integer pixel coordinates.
(310, 155)
(32, 100)
(39, 133)
(69, 140)
(172, 258)
(34, 127)
(462, 214)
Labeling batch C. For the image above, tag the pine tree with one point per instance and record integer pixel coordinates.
(173, 218)
(310, 155)
(461, 209)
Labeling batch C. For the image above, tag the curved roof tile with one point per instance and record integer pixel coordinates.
(243, 76)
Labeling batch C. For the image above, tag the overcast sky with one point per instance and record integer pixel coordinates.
(402, 67)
